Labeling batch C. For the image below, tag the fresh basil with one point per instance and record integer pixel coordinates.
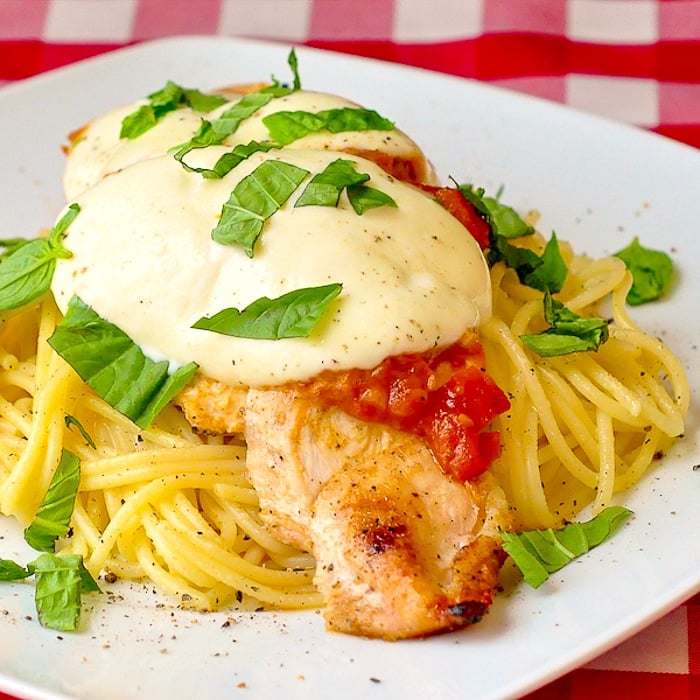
(363, 198)
(285, 127)
(211, 133)
(114, 366)
(652, 272)
(52, 519)
(12, 571)
(549, 274)
(568, 332)
(61, 579)
(254, 200)
(215, 131)
(538, 553)
(503, 220)
(546, 272)
(325, 187)
(292, 315)
(71, 421)
(168, 99)
(228, 161)
(26, 273)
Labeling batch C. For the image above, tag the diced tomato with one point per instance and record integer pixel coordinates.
(463, 210)
(447, 398)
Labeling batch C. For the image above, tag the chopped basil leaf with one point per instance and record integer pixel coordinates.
(363, 198)
(325, 187)
(215, 131)
(292, 315)
(538, 553)
(254, 200)
(114, 366)
(568, 332)
(60, 582)
(168, 99)
(504, 220)
(61, 579)
(73, 421)
(11, 571)
(293, 64)
(26, 273)
(228, 161)
(227, 123)
(285, 127)
(652, 271)
(52, 519)
(522, 260)
(550, 274)
(546, 273)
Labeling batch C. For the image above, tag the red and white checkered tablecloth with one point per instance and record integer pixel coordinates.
(637, 61)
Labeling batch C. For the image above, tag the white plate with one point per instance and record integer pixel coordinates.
(597, 184)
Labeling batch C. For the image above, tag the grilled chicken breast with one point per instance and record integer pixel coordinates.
(402, 549)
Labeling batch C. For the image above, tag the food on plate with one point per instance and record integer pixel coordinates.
(266, 358)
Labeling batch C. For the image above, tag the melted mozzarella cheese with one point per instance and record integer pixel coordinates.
(100, 151)
(144, 259)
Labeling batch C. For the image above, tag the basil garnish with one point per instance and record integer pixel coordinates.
(254, 200)
(568, 332)
(324, 188)
(168, 99)
(538, 553)
(292, 315)
(26, 273)
(285, 127)
(652, 271)
(228, 161)
(114, 366)
(60, 579)
(215, 131)
(503, 220)
(53, 516)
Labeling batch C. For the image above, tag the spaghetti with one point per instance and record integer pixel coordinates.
(586, 425)
(161, 504)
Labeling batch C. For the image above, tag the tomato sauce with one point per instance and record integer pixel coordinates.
(446, 397)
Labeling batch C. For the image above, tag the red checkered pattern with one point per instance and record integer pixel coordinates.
(633, 60)
(637, 61)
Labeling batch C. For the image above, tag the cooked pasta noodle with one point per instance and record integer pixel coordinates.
(583, 426)
(162, 504)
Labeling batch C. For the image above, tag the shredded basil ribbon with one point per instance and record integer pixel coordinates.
(292, 315)
(538, 553)
(168, 99)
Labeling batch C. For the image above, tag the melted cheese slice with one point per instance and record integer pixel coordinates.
(99, 151)
(144, 259)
